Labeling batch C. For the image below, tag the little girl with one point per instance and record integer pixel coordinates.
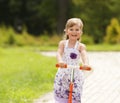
(70, 52)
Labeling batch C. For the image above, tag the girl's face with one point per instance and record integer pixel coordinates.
(74, 32)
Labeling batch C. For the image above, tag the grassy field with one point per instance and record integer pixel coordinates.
(24, 75)
(103, 47)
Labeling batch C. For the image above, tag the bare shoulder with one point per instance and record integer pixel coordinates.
(62, 43)
(82, 47)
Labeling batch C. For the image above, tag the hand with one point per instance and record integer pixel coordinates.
(86, 67)
(61, 65)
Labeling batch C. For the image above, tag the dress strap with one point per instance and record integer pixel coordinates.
(76, 45)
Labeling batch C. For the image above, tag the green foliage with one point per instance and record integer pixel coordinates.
(86, 39)
(96, 15)
(55, 39)
(2, 39)
(24, 75)
(51, 15)
(46, 39)
(8, 37)
(11, 36)
(113, 32)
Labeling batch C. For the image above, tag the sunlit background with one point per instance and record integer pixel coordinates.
(28, 27)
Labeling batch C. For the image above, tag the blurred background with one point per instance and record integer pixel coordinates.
(28, 22)
(28, 27)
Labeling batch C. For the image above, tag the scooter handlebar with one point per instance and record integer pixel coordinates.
(88, 68)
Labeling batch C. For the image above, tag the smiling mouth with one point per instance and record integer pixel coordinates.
(74, 35)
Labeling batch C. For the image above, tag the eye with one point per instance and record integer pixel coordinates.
(77, 29)
(71, 29)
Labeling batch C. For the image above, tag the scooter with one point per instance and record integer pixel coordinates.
(72, 77)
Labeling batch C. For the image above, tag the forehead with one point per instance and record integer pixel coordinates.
(71, 24)
(74, 26)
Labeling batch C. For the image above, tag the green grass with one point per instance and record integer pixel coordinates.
(103, 47)
(24, 75)
(96, 47)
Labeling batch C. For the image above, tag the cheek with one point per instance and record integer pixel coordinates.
(68, 33)
(78, 36)
(80, 33)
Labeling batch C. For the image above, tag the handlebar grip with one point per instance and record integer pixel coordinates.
(64, 66)
(81, 67)
(85, 68)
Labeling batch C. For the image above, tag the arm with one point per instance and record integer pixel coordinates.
(85, 60)
(60, 53)
(84, 57)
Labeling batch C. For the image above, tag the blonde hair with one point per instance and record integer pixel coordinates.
(71, 22)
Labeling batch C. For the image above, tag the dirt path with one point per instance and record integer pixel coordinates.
(103, 85)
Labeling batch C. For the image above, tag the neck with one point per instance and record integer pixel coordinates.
(72, 43)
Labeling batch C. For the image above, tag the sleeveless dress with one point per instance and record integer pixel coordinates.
(71, 56)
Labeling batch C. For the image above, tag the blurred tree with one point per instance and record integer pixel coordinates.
(4, 12)
(96, 15)
(62, 14)
(42, 16)
(113, 32)
(38, 15)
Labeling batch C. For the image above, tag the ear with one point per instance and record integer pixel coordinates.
(65, 31)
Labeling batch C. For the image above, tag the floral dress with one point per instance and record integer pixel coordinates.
(71, 56)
